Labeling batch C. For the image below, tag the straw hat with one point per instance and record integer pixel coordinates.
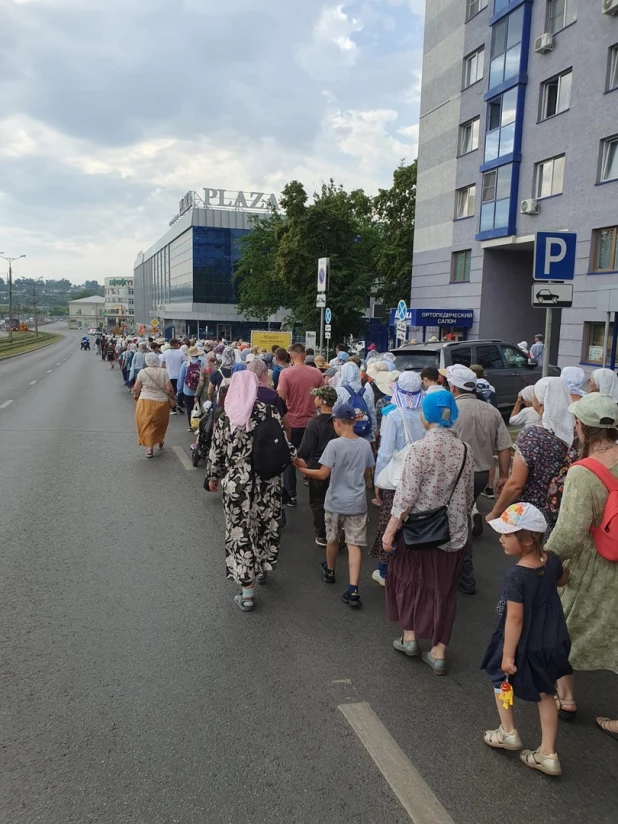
(383, 380)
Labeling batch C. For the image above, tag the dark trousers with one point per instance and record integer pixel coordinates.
(317, 496)
(467, 581)
(179, 395)
(190, 402)
(289, 473)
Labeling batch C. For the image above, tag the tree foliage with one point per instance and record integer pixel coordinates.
(368, 241)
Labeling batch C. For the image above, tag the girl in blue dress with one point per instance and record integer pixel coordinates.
(531, 643)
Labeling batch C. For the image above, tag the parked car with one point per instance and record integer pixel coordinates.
(508, 369)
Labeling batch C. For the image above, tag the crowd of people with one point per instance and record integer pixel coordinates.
(423, 448)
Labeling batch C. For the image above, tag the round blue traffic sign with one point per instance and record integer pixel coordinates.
(402, 310)
(328, 316)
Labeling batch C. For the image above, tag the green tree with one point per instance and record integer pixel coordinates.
(395, 210)
(279, 262)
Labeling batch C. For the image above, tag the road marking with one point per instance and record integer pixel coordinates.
(49, 371)
(5, 404)
(57, 364)
(410, 788)
(184, 458)
(33, 382)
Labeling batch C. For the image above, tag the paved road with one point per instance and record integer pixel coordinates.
(134, 691)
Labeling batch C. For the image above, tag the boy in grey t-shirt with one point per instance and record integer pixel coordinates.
(348, 461)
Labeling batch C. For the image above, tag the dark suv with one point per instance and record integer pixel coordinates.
(507, 368)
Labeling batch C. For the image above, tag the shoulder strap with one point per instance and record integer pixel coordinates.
(601, 471)
(461, 469)
(407, 431)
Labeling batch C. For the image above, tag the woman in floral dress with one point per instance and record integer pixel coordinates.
(252, 505)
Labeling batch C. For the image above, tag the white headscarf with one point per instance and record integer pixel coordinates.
(553, 393)
(527, 393)
(523, 345)
(606, 382)
(575, 379)
(406, 392)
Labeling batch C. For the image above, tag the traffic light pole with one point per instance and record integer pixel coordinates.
(10, 303)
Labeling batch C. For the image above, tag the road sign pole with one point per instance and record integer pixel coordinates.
(322, 331)
(606, 339)
(549, 317)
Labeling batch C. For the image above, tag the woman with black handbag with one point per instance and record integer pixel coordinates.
(427, 533)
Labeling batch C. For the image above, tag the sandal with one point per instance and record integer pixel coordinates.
(566, 715)
(503, 740)
(536, 760)
(603, 725)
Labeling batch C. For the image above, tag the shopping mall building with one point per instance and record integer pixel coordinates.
(518, 135)
(184, 284)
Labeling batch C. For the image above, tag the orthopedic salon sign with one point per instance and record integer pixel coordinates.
(252, 201)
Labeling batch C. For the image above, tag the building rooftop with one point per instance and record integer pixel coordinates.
(91, 299)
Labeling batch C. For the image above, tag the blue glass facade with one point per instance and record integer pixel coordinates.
(216, 253)
(510, 43)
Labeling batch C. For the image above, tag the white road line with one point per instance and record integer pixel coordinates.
(49, 371)
(33, 382)
(57, 364)
(412, 791)
(5, 404)
(184, 458)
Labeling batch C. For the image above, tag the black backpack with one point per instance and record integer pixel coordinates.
(271, 453)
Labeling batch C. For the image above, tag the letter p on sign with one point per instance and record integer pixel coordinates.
(554, 256)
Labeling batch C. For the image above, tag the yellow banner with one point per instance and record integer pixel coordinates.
(266, 340)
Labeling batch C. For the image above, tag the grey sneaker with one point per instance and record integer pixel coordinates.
(410, 648)
(244, 604)
(438, 665)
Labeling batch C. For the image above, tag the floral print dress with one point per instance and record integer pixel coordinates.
(252, 505)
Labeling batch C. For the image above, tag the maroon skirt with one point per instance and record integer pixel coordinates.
(377, 550)
(421, 591)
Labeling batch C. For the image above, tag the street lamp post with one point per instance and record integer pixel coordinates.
(10, 261)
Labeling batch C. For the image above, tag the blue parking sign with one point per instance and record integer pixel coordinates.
(554, 255)
(402, 310)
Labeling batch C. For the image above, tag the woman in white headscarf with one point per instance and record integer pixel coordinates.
(401, 425)
(528, 416)
(389, 360)
(575, 379)
(349, 384)
(523, 345)
(605, 381)
(541, 452)
(153, 392)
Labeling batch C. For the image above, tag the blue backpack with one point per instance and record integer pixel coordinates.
(362, 426)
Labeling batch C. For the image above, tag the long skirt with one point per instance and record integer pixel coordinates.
(377, 550)
(151, 419)
(421, 591)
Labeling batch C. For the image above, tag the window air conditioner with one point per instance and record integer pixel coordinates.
(545, 43)
(530, 207)
(610, 7)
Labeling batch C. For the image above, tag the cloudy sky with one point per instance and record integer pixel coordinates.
(110, 110)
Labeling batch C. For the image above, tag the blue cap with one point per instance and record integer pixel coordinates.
(344, 411)
(343, 356)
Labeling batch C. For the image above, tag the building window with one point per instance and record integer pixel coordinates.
(556, 95)
(469, 136)
(506, 47)
(549, 177)
(473, 67)
(500, 137)
(474, 7)
(594, 334)
(500, 4)
(464, 201)
(560, 13)
(496, 198)
(609, 159)
(605, 250)
(612, 81)
(461, 267)
(131, 291)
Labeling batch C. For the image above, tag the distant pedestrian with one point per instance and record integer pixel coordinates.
(537, 349)
(530, 647)
(282, 361)
(526, 416)
(189, 380)
(172, 360)
(111, 353)
(153, 392)
(575, 378)
(606, 382)
(221, 377)
(431, 379)
(350, 390)
(347, 461)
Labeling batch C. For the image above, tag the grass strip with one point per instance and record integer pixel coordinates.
(26, 342)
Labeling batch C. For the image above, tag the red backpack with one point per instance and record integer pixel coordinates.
(606, 535)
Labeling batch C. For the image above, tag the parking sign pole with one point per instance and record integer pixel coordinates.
(549, 317)
(322, 331)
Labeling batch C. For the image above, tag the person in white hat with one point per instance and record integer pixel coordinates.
(481, 426)
(530, 647)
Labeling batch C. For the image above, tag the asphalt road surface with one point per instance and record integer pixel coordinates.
(133, 690)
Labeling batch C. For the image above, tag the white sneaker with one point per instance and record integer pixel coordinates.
(375, 576)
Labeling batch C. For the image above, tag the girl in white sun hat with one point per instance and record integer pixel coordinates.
(530, 646)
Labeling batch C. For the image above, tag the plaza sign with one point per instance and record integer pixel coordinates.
(252, 201)
(119, 282)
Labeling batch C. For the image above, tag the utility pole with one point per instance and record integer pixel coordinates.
(10, 261)
(36, 322)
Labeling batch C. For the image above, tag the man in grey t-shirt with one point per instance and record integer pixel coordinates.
(346, 460)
